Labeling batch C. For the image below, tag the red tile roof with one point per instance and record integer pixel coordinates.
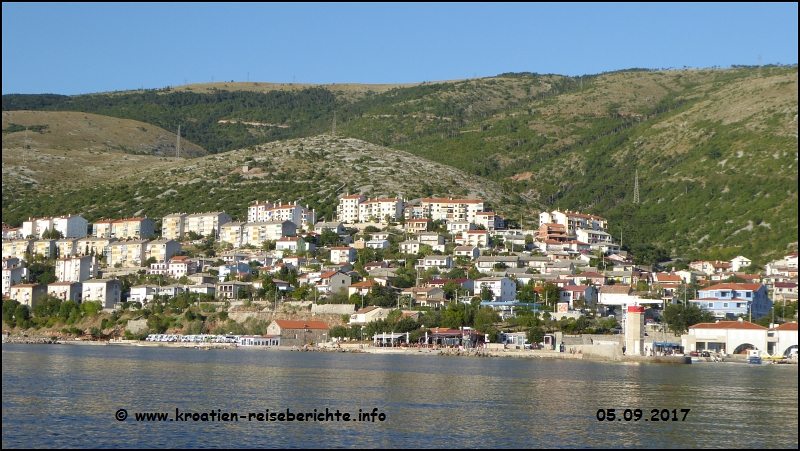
(733, 286)
(787, 326)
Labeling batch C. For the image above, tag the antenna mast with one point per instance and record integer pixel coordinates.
(636, 188)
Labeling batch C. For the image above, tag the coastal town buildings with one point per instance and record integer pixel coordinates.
(71, 226)
(134, 228)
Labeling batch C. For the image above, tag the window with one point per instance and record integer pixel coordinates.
(724, 305)
(748, 294)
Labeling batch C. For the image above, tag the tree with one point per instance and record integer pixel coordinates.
(680, 318)
(536, 335)
(21, 316)
(550, 293)
(9, 307)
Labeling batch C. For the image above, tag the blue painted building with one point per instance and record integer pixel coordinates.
(728, 300)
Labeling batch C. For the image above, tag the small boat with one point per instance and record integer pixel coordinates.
(698, 359)
(754, 360)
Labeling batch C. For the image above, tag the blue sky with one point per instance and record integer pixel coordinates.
(83, 48)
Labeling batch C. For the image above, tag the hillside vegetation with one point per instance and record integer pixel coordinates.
(311, 171)
(715, 149)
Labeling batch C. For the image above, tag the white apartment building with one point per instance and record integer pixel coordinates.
(76, 269)
(378, 210)
(71, 226)
(66, 291)
(27, 293)
(477, 238)
(13, 272)
(347, 210)
(343, 255)
(503, 288)
(206, 224)
(268, 212)
(107, 291)
(452, 209)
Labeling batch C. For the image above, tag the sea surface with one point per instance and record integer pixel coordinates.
(71, 396)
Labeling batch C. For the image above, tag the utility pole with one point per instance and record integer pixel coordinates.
(636, 188)
(333, 131)
(178, 146)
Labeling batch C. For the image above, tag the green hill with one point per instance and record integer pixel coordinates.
(715, 149)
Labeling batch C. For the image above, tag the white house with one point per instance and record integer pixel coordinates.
(442, 262)
(503, 288)
(410, 247)
(343, 255)
(76, 269)
(739, 263)
(725, 337)
(470, 252)
(13, 272)
(107, 291)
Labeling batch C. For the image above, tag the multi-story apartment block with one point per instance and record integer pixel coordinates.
(95, 246)
(66, 247)
(379, 210)
(66, 291)
(727, 300)
(72, 226)
(162, 250)
(17, 248)
(347, 210)
(452, 209)
(13, 272)
(488, 220)
(503, 288)
(231, 232)
(27, 293)
(107, 291)
(255, 233)
(76, 269)
(128, 253)
(136, 228)
(173, 226)
(206, 224)
(343, 255)
(268, 212)
(45, 248)
(574, 221)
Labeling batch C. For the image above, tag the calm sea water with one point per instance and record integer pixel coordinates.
(67, 396)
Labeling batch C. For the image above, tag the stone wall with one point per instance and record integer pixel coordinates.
(334, 309)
